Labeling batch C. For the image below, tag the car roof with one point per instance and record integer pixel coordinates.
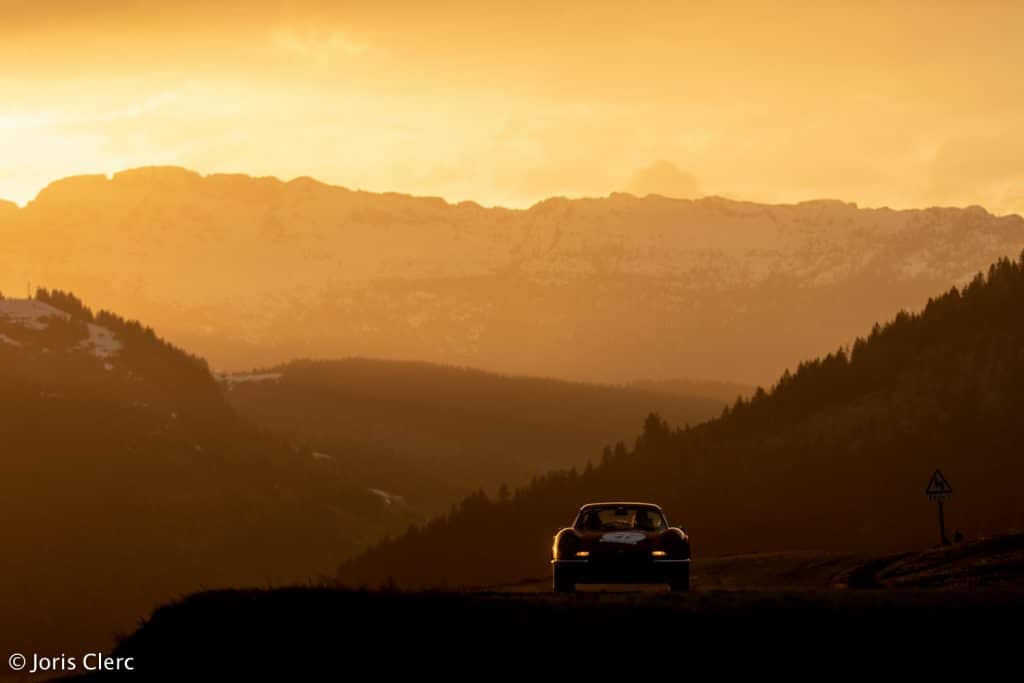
(620, 503)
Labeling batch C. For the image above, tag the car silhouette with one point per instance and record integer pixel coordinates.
(620, 542)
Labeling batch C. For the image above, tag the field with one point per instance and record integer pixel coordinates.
(809, 606)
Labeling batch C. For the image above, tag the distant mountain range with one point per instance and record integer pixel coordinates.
(254, 271)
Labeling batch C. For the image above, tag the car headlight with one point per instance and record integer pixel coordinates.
(659, 553)
(583, 553)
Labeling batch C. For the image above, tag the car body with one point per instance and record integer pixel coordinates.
(620, 542)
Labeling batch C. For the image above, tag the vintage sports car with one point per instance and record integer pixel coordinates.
(620, 543)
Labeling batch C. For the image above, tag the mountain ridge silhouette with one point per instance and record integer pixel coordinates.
(253, 272)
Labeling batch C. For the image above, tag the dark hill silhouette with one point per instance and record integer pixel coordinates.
(433, 434)
(834, 457)
(253, 272)
(295, 629)
(127, 479)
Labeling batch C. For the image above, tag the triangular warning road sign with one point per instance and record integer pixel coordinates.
(938, 487)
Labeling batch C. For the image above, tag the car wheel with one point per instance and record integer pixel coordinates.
(681, 582)
(562, 581)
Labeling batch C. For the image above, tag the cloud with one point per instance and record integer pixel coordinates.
(663, 178)
(317, 45)
(140, 108)
(973, 164)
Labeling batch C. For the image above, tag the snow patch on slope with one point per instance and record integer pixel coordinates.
(101, 342)
(388, 498)
(29, 313)
(33, 315)
(243, 377)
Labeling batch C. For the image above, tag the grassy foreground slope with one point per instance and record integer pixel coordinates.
(773, 609)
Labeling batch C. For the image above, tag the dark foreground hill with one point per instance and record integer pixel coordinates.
(835, 457)
(427, 435)
(770, 611)
(127, 479)
(310, 633)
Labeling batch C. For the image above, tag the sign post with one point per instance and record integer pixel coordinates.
(939, 490)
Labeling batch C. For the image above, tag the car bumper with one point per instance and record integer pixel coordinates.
(637, 571)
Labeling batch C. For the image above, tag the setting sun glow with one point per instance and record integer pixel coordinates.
(869, 103)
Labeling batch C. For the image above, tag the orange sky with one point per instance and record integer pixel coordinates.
(509, 103)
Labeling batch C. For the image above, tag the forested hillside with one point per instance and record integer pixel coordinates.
(835, 456)
(127, 479)
(427, 435)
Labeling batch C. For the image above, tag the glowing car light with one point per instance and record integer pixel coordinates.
(658, 553)
(583, 553)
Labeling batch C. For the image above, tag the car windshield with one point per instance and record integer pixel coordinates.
(617, 518)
